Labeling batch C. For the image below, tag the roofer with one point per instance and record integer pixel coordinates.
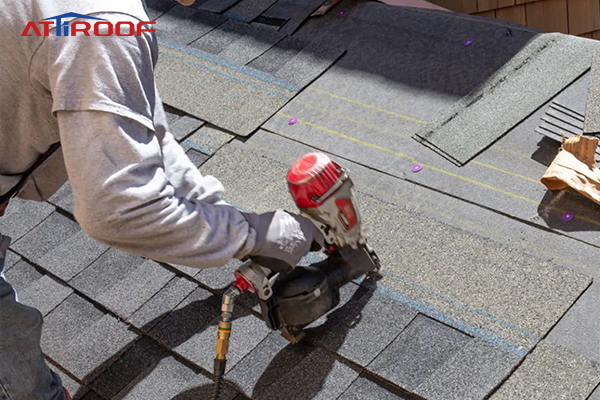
(134, 187)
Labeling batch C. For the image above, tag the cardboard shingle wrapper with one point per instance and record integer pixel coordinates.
(575, 167)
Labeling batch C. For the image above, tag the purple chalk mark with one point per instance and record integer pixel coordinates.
(292, 121)
(568, 216)
(468, 42)
(341, 13)
(417, 167)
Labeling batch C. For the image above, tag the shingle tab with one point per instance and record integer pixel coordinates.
(72, 256)
(185, 126)
(122, 282)
(418, 352)
(364, 326)
(196, 157)
(268, 362)
(133, 365)
(11, 259)
(47, 236)
(246, 333)
(471, 374)
(208, 139)
(82, 339)
(365, 388)
(36, 290)
(21, 216)
(549, 372)
(63, 198)
(147, 316)
(183, 25)
(318, 376)
(170, 379)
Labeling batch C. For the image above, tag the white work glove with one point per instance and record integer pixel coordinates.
(282, 239)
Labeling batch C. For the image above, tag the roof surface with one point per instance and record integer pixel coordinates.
(486, 291)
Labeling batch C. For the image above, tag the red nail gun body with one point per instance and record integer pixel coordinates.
(322, 190)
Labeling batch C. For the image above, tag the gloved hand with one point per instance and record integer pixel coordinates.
(282, 237)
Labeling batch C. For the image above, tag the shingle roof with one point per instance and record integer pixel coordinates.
(481, 276)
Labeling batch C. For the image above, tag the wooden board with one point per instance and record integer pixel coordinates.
(514, 14)
(488, 14)
(548, 15)
(505, 3)
(584, 16)
(486, 5)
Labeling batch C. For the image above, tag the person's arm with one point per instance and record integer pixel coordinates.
(124, 199)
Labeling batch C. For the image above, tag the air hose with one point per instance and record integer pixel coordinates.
(224, 331)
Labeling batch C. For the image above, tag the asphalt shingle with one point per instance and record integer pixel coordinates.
(22, 216)
(246, 333)
(418, 352)
(147, 316)
(268, 362)
(247, 10)
(73, 255)
(592, 116)
(318, 376)
(551, 372)
(196, 157)
(133, 365)
(63, 198)
(365, 388)
(11, 259)
(471, 374)
(208, 139)
(182, 25)
(82, 339)
(170, 379)
(46, 237)
(36, 290)
(185, 126)
(364, 326)
(122, 282)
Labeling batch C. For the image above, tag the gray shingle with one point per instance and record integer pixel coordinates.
(182, 25)
(82, 339)
(122, 282)
(196, 157)
(72, 256)
(47, 236)
(21, 216)
(76, 390)
(184, 126)
(297, 11)
(280, 54)
(208, 140)
(457, 133)
(247, 10)
(156, 8)
(270, 361)
(418, 352)
(365, 388)
(170, 379)
(63, 198)
(318, 376)
(471, 374)
(246, 333)
(133, 365)
(251, 45)
(189, 317)
(221, 277)
(147, 316)
(352, 330)
(11, 259)
(592, 116)
(131, 292)
(36, 290)
(217, 6)
(551, 372)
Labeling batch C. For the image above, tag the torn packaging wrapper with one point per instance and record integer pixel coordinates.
(574, 167)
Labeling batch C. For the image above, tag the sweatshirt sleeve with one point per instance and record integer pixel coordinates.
(134, 189)
(123, 197)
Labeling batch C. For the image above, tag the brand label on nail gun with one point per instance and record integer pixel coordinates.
(101, 27)
(347, 214)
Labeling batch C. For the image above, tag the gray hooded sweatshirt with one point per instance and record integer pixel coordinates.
(134, 187)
